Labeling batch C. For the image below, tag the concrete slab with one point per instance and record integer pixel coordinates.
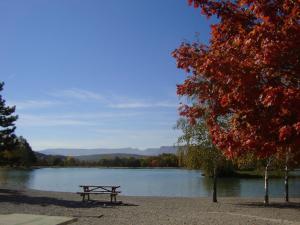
(30, 219)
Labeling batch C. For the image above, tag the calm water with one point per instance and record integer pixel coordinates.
(143, 182)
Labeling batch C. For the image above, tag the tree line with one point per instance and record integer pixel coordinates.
(163, 160)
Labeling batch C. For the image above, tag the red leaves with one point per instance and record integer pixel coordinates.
(288, 133)
(190, 2)
(192, 113)
(249, 73)
(296, 126)
(285, 132)
(271, 96)
(196, 4)
(224, 101)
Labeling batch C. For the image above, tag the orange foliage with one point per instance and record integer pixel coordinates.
(250, 72)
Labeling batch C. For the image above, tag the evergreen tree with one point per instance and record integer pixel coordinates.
(7, 126)
(23, 154)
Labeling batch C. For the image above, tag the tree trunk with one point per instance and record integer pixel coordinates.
(266, 200)
(286, 178)
(286, 183)
(215, 185)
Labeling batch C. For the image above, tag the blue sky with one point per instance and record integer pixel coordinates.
(95, 73)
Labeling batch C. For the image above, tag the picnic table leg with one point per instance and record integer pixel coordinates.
(88, 197)
(83, 197)
(113, 194)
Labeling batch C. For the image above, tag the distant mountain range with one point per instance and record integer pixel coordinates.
(103, 151)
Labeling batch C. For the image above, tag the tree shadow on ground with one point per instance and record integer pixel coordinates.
(19, 197)
(9, 191)
(278, 205)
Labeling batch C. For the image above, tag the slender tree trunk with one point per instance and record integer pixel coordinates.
(215, 185)
(286, 183)
(286, 178)
(266, 200)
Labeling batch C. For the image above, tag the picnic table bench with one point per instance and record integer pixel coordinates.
(97, 189)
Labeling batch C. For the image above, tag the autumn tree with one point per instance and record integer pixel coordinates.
(7, 126)
(249, 73)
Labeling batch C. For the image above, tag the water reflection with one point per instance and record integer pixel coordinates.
(225, 186)
(18, 178)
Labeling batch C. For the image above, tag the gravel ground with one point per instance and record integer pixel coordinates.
(151, 210)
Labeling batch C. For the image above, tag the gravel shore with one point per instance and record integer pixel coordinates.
(150, 210)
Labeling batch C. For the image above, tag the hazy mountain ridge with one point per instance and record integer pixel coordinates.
(101, 151)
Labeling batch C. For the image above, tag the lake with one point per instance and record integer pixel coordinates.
(144, 182)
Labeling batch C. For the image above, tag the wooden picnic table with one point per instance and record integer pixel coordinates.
(99, 189)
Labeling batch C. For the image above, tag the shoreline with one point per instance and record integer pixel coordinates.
(150, 210)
